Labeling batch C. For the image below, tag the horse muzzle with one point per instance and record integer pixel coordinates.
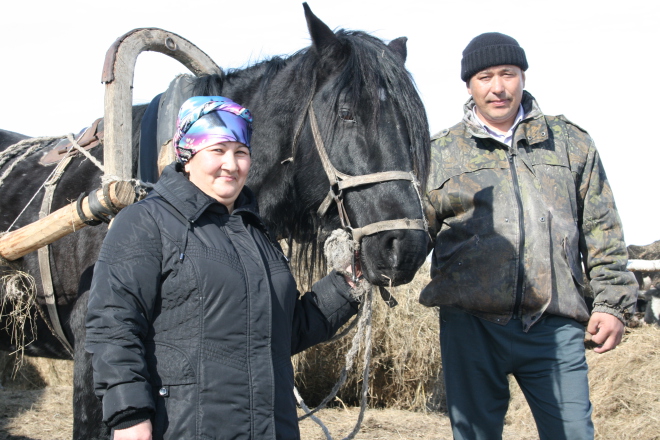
(393, 257)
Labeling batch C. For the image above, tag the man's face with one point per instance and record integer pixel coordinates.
(497, 92)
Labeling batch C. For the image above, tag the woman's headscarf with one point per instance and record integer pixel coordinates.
(207, 120)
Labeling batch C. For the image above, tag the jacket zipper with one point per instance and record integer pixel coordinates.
(521, 229)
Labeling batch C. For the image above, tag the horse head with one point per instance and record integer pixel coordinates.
(362, 141)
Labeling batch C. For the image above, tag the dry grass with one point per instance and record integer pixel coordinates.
(35, 373)
(405, 363)
(625, 387)
(36, 414)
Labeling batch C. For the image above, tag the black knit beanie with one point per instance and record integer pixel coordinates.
(491, 49)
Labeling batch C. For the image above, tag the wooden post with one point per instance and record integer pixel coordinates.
(60, 223)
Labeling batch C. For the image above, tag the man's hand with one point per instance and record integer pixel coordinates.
(607, 331)
(141, 431)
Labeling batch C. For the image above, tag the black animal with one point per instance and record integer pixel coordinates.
(371, 119)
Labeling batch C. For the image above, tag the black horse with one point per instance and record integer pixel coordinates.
(370, 119)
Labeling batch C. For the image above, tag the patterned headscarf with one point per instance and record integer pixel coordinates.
(207, 120)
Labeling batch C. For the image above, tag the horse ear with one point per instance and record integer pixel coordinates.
(322, 35)
(398, 46)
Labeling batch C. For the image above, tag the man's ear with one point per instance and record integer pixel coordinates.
(467, 84)
(523, 79)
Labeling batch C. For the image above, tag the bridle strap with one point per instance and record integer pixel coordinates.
(388, 225)
(340, 181)
(385, 176)
(333, 174)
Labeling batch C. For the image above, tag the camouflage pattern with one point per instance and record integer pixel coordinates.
(568, 218)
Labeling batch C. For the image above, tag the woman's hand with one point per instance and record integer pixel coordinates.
(141, 431)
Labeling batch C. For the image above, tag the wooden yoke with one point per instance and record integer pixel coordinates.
(62, 222)
(118, 71)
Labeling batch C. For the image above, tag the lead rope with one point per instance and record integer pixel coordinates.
(364, 331)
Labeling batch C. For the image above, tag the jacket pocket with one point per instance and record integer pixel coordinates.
(169, 365)
(174, 384)
(444, 278)
(176, 412)
(477, 277)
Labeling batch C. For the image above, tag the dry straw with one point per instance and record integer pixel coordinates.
(405, 357)
(17, 310)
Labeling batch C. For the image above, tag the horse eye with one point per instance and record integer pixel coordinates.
(346, 115)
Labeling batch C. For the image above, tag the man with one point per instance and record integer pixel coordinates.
(518, 201)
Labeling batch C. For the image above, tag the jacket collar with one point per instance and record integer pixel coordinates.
(191, 202)
(533, 126)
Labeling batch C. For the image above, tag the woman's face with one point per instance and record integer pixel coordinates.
(220, 171)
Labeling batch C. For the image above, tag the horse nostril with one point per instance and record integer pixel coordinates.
(393, 248)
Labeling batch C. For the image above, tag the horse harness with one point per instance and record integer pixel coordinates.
(63, 153)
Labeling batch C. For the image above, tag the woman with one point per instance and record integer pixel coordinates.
(193, 312)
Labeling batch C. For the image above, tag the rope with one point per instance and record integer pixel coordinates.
(308, 411)
(84, 152)
(364, 327)
(31, 199)
(23, 148)
(140, 186)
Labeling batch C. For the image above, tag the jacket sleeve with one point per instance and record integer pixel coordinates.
(125, 285)
(320, 313)
(601, 242)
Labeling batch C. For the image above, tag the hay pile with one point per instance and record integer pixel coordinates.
(405, 363)
(625, 387)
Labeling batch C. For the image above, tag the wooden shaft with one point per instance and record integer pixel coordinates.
(60, 223)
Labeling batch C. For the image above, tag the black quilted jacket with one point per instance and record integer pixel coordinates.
(194, 315)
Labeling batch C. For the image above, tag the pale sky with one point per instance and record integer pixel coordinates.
(593, 61)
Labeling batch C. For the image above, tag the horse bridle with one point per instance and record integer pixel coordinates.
(340, 181)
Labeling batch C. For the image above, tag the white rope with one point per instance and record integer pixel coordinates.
(364, 327)
(313, 417)
(84, 152)
(417, 186)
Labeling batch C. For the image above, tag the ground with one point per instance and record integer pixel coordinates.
(624, 384)
(45, 414)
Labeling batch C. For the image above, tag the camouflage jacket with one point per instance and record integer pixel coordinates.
(513, 225)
